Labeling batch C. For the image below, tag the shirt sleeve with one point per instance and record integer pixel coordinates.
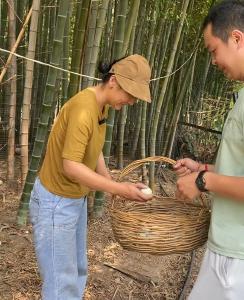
(78, 133)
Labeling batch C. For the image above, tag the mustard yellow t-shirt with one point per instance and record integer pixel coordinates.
(76, 135)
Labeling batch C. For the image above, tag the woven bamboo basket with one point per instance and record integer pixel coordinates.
(162, 226)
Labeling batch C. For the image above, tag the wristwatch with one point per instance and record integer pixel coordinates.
(201, 182)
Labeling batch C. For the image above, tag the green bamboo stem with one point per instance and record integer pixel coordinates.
(117, 52)
(164, 87)
(46, 111)
(78, 45)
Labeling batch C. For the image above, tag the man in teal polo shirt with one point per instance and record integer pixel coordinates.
(222, 272)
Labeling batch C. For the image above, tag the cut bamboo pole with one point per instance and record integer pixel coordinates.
(16, 45)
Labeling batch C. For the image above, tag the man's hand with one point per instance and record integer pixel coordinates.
(186, 187)
(186, 166)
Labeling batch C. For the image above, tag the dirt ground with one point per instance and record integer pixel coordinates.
(19, 278)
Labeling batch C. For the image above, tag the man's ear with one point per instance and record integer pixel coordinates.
(238, 37)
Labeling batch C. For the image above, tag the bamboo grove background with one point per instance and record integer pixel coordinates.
(75, 36)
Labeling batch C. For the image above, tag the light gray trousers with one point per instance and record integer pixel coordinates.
(220, 278)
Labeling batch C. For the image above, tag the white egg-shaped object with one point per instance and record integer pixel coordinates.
(146, 191)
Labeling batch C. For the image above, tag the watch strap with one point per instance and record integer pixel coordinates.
(201, 182)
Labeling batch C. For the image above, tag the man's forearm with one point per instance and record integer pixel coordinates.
(226, 186)
(206, 167)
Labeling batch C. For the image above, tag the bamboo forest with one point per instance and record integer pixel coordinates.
(50, 50)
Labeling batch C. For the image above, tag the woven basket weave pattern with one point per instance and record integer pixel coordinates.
(161, 226)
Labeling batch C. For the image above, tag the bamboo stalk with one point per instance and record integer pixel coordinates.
(16, 44)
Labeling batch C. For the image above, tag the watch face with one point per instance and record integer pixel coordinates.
(200, 182)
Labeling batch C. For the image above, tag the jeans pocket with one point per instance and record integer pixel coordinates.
(67, 213)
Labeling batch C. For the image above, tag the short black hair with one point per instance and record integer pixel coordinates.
(225, 17)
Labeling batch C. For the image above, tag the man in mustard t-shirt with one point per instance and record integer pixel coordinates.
(222, 272)
(73, 165)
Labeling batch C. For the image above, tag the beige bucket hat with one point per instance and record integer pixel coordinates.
(133, 75)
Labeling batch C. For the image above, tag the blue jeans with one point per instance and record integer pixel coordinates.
(59, 227)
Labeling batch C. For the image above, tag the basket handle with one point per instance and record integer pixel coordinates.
(137, 163)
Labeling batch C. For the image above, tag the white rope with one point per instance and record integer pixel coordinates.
(154, 79)
(48, 65)
(86, 76)
(157, 78)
